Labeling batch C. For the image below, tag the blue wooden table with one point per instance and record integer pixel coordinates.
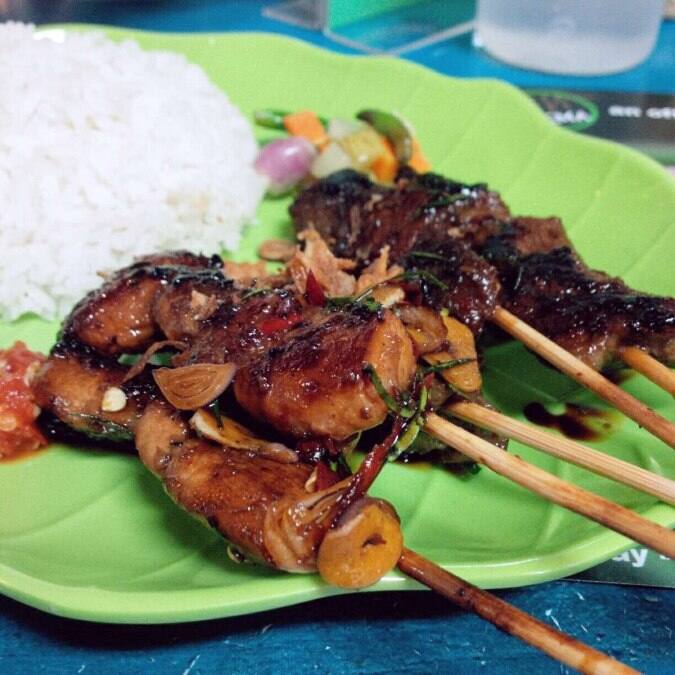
(413, 632)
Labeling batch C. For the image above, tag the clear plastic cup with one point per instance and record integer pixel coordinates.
(580, 37)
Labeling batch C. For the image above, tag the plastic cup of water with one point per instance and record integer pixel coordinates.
(579, 37)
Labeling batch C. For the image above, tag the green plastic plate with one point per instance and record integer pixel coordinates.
(91, 534)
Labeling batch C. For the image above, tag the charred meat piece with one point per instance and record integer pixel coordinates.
(241, 329)
(469, 286)
(267, 509)
(588, 313)
(230, 489)
(436, 225)
(116, 318)
(314, 384)
(276, 341)
(72, 385)
(357, 217)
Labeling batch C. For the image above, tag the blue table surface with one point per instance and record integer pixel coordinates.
(414, 632)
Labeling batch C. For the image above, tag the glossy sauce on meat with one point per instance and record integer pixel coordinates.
(526, 264)
(588, 313)
(117, 318)
(232, 490)
(273, 337)
(314, 384)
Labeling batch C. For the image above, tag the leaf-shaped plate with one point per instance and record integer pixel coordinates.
(92, 535)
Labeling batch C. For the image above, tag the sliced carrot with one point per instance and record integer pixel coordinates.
(306, 123)
(418, 161)
(385, 165)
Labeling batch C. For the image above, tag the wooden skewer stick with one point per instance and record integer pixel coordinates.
(638, 359)
(510, 619)
(571, 451)
(551, 487)
(585, 375)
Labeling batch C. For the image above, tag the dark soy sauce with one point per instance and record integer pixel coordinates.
(580, 423)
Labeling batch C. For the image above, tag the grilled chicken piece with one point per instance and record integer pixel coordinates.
(275, 339)
(436, 225)
(72, 384)
(314, 384)
(242, 328)
(310, 358)
(117, 317)
(259, 505)
(266, 509)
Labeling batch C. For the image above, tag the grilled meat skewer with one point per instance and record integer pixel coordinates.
(279, 347)
(265, 506)
(540, 277)
(262, 503)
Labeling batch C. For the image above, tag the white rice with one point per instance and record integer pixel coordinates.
(108, 152)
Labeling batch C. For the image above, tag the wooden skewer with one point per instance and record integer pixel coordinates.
(585, 375)
(551, 487)
(638, 359)
(510, 619)
(571, 451)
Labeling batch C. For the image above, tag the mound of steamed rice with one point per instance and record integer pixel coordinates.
(108, 152)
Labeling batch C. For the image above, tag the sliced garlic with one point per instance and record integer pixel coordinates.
(114, 400)
(231, 434)
(388, 296)
(191, 387)
(310, 483)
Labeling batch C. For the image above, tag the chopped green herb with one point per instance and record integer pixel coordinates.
(439, 202)
(444, 200)
(157, 359)
(104, 430)
(429, 255)
(379, 387)
(422, 275)
(161, 359)
(214, 409)
(254, 291)
(363, 300)
(445, 365)
(405, 440)
(413, 429)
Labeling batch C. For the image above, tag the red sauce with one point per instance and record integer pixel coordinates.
(19, 434)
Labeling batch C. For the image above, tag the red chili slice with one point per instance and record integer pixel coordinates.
(313, 291)
(276, 323)
(325, 476)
